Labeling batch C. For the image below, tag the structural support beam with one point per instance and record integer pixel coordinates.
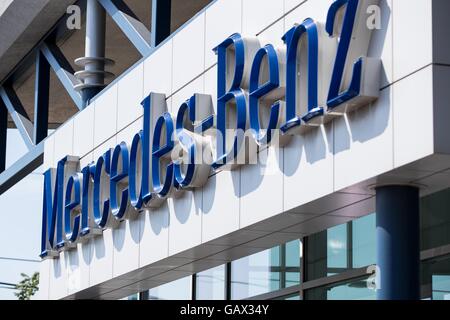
(161, 16)
(63, 71)
(3, 135)
(18, 114)
(398, 244)
(22, 168)
(130, 25)
(41, 100)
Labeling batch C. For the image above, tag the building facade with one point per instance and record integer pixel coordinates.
(345, 196)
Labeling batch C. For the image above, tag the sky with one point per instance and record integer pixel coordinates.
(20, 227)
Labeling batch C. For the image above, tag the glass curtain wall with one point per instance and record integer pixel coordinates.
(435, 239)
(334, 264)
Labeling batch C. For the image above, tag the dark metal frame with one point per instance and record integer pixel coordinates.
(46, 56)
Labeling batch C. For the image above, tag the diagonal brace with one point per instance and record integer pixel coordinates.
(18, 115)
(130, 25)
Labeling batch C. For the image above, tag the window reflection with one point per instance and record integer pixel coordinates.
(133, 297)
(364, 241)
(266, 271)
(436, 279)
(441, 287)
(435, 220)
(360, 289)
(333, 251)
(176, 290)
(295, 296)
(337, 248)
(342, 248)
(210, 284)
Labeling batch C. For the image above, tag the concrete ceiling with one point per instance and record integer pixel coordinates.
(22, 24)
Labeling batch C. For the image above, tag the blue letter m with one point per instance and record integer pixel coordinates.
(52, 211)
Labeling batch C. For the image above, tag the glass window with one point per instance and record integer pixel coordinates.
(436, 279)
(133, 297)
(341, 248)
(210, 284)
(176, 290)
(364, 241)
(327, 253)
(337, 247)
(435, 220)
(441, 287)
(293, 255)
(253, 275)
(266, 271)
(361, 289)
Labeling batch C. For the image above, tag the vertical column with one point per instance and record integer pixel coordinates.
(398, 243)
(315, 258)
(41, 101)
(161, 17)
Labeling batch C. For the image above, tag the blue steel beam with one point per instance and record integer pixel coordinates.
(63, 71)
(130, 25)
(41, 101)
(161, 15)
(18, 114)
(22, 168)
(3, 135)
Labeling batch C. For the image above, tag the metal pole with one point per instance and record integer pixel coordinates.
(95, 40)
(398, 244)
(94, 62)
